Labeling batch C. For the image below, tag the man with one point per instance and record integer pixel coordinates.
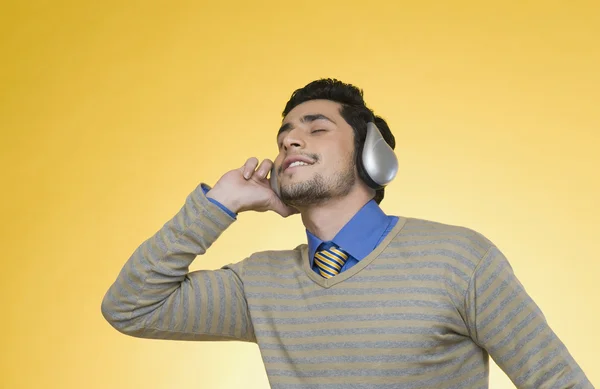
(371, 301)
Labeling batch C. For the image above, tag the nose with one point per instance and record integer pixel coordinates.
(293, 139)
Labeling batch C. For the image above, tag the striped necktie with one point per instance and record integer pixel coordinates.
(330, 259)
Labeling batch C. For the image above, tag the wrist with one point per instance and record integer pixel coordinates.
(224, 199)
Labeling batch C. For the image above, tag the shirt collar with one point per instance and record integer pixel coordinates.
(359, 236)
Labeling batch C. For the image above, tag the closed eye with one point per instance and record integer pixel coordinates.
(280, 143)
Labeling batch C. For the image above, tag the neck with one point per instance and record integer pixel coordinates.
(325, 220)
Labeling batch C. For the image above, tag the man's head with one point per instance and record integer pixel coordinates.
(324, 125)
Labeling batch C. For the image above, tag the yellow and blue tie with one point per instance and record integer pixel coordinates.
(330, 259)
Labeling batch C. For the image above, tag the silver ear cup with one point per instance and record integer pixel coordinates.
(379, 160)
(274, 182)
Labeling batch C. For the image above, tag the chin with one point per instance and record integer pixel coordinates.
(295, 177)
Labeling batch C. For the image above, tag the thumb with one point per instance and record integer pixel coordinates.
(279, 207)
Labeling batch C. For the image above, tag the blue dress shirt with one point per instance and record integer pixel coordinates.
(367, 228)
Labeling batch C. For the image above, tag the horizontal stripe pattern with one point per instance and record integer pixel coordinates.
(155, 295)
(425, 312)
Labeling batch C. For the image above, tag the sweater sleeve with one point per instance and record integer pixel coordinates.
(504, 320)
(155, 296)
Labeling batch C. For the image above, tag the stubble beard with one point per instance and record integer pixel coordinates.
(319, 190)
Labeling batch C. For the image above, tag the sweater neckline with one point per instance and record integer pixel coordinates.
(329, 282)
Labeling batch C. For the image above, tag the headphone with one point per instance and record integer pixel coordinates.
(377, 163)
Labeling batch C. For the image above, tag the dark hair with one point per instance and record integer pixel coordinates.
(353, 110)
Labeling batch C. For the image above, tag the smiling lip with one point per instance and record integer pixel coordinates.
(296, 158)
(295, 167)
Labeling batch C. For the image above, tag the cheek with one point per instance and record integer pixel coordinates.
(341, 156)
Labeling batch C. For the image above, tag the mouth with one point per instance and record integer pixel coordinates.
(295, 163)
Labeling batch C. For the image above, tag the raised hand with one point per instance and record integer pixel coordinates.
(248, 189)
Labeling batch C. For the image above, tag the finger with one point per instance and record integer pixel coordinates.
(287, 211)
(249, 167)
(263, 168)
(279, 207)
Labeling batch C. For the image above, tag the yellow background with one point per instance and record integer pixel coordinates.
(111, 113)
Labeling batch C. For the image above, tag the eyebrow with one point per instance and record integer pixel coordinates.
(304, 119)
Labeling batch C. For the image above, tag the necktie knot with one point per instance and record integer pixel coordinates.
(330, 259)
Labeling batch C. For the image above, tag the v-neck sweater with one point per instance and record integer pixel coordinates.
(424, 309)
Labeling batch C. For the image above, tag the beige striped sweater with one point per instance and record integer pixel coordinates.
(423, 310)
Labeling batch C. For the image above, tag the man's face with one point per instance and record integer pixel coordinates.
(316, 149)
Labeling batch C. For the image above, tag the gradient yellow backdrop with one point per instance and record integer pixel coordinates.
(111, 113)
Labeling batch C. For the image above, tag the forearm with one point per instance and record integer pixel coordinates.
(155, 296)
